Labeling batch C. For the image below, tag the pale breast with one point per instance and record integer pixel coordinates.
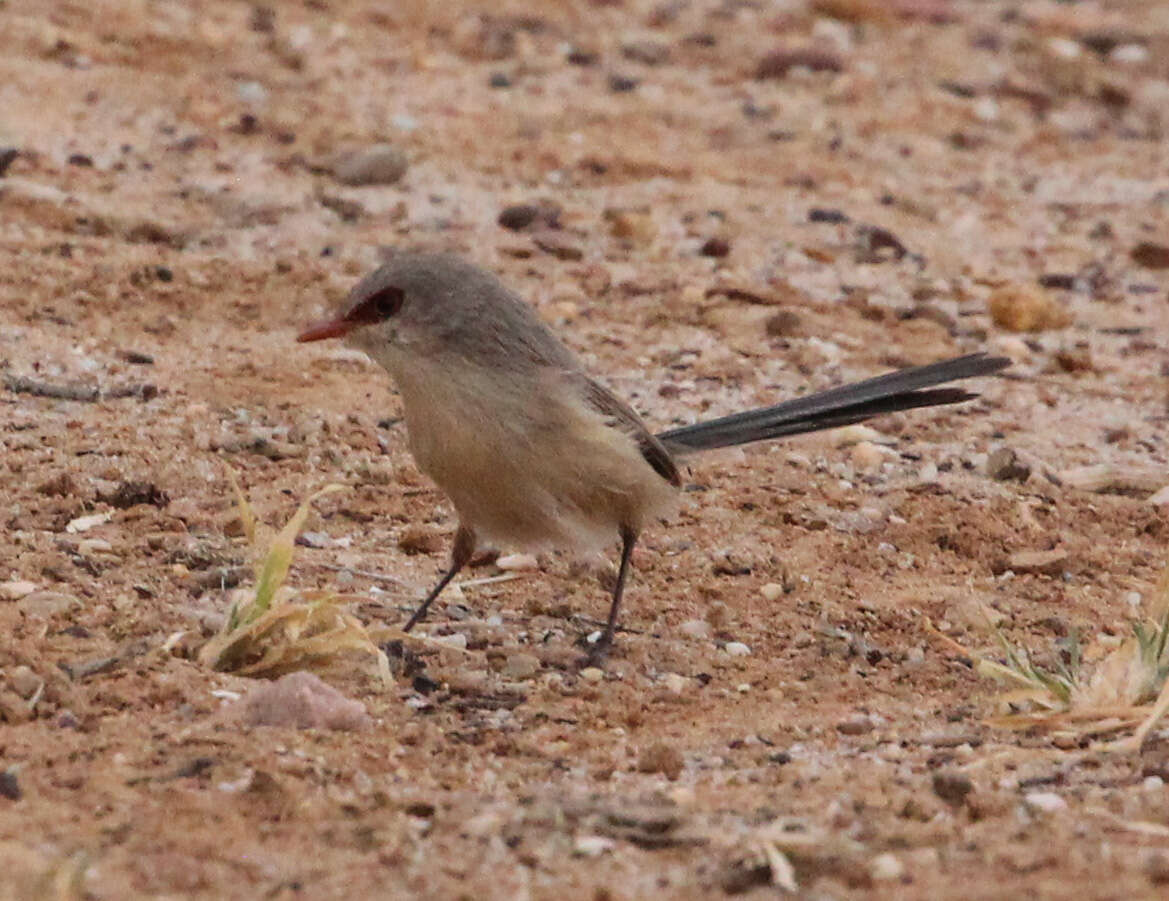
(528, 468)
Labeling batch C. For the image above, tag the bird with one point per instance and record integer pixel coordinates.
(532, 451)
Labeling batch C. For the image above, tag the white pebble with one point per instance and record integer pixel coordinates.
(772, 591)
(737, 649)
(1153, 784)
(515, 562)
(592, 845)
(1129, 54)
(695, 628)
(1161, 498)
(866, 455)
(592, 674)
(886, 868)
(675, 683)
(1065, 48)
(1044, 802)
(986, 109)
(454, 640)
(14, 591)
(928, 473)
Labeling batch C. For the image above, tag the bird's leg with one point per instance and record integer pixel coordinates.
(461, 554)
(599, 650)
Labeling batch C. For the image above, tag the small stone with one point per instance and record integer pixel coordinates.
(1151, 255)
(521, 666)
(1153, 784)
(1004, 465)
(24, 681)
(784, 324)
(1050, 563)
(499, 80)
(85, 523)
(303, 701)
(420, 540)
(779, 63)
(715, 247)
(592, 845)
(648, 52)
(866, 456)
(952, 786)
(523, 216)
(1129, 54)
(517, 562)
(636, 226)
(695, 628)
(661, 758)
(772, 592)
(456, 640)
(592, 674)
(855, 434)
(858, 724)
(380, 164)
(1026, 307)
(1044, 802)
(47, 604)
(14, 591)
(559, 246)
(622, 84)
(10, 786)
(886, 868)
(737, 649)
(1160, 498)
(675, 683)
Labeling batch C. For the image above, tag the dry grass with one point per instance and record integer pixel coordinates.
(274, 628)
(1098, 691)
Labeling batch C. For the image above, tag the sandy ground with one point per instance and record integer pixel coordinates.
(174, 213)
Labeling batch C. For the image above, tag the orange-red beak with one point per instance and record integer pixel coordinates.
(326, 328)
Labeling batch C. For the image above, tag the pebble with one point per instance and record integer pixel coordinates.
(10, 786)
(1153, 784)
(521, 666)
(661, 758)
(855, 725)
(675, 683)
(737, 649)
(85, 523)
(1044, 802)
(47, 604)
(592, 674)
(558, 245)
(886, 868)
(592, 845)
(866, 456)
(303, 701)
(1025, 307)
(1129, 54)
(858, 434)
(771, 592)
(1004, 465)
(454, 640)
(517, 562)
(14, 591)
(695, 628)
(1049, 563)
(24, 681)
(952, 786)
(380, 164)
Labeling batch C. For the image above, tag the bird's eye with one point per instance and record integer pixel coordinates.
(379, 306)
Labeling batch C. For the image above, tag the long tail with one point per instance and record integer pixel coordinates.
(901, 390)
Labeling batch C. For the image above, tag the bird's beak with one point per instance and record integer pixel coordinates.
(326, 328)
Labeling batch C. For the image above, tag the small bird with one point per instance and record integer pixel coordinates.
(531, 451)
